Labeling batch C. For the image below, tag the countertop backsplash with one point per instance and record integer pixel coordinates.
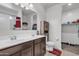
(18, 33)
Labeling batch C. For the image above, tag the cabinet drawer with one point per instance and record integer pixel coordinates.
(43, 48)
(37, 41)
(17, 54)
(37, 49)
(27, 44)
(27, 52)
(10, 51)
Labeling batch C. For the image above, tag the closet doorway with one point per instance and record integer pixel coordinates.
(70, 28)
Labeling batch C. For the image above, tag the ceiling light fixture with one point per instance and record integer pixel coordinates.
(22, 6)
(69, 4)
(16, 3)
(25, 5)
(31, 5)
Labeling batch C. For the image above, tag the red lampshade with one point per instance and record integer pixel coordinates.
(18, 22)
(18, 18)
(78, 20)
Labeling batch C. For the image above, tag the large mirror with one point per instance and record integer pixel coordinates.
(29, 20)
(8, 20)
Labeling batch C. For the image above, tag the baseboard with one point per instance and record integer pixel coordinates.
(70, 44)
(65, 43)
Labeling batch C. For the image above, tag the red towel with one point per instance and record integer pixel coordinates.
(56, 52)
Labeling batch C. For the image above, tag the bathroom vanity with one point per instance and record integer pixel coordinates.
(35, 46)
(20, 23)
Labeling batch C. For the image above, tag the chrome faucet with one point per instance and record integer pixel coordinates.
(13, 37)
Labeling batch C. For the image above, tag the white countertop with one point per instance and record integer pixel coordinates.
(8, 42)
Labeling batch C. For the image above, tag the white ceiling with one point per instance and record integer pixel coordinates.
(72, 7)
(65, 7)
(48, 5)
(28, 12)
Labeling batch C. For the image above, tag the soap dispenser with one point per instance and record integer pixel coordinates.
(37, 32)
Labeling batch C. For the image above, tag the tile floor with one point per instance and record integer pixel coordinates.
(71, 48)
(65, 53)
(68, 50)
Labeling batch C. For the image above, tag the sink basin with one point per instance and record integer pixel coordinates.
(19, 38)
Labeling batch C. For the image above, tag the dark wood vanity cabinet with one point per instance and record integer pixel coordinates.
(40, 47)
(35, 47)
(27, 49)
(14, 50)
(43, 46)
(17, 54)
(27, 52)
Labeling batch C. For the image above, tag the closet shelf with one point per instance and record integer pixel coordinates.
(25, 23)
(71, 24)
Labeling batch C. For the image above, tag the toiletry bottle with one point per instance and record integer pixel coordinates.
(37, 32)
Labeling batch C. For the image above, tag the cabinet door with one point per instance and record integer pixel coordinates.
(17, 54)
(27, 49)
(37, 49)
(10, 51)
(27, 44)
(46, 26)
(27, 52)
(43, 46)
